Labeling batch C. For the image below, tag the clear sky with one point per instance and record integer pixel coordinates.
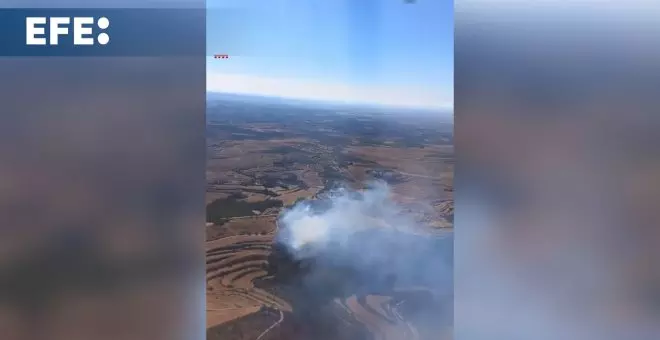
(383, 52)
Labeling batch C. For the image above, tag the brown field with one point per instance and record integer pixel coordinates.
(290, 196)
(434, 162)
(233, 263)
(248, 226)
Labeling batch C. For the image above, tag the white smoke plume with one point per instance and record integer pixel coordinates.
(312, 226)
(369, 232)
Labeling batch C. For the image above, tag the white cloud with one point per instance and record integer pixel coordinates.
(316, 90)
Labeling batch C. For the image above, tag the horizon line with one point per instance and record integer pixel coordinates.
(384, 95)
(443, 109)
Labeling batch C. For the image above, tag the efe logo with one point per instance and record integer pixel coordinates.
(35, 31)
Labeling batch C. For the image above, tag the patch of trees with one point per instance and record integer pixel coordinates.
(331, 174)
(221, 209)
(388, 176)
(237, 195)
(284, 163)
(284, 180)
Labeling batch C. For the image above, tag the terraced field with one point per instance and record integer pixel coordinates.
(379, 315)
(233, 263)
(245, 302)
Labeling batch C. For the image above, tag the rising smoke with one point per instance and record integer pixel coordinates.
(371, 236)
(315, 225)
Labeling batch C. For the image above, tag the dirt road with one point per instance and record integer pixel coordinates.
(272, 326)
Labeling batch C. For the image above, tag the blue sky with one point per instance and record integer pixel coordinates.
(367, 51)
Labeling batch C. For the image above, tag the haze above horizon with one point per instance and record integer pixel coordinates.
(374, 52)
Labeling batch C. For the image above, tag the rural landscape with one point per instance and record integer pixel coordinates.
(376, 183)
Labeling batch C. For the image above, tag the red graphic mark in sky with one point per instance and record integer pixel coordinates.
(221, 56)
